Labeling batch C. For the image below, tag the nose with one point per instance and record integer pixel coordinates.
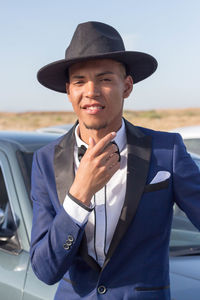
(92, 90)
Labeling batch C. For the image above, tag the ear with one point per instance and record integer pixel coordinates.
(67, 88)
(68, 91)
(128, 86)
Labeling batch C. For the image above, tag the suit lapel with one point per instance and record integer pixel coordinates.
(139, 153)
(64, 164)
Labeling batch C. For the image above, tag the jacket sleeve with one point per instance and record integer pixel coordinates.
(55, 237)
(186, 179)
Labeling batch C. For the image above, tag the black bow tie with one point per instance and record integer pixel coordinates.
(82, 149)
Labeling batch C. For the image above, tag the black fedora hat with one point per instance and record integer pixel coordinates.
(95, 40)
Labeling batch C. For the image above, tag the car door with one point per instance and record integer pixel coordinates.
(13, 259)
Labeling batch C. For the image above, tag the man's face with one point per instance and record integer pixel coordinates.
(97, 89)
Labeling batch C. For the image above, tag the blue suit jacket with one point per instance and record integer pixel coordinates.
(136, 265)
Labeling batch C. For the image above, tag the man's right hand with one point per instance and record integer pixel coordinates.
(97, 166)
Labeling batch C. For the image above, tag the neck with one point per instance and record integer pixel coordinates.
(97, 135)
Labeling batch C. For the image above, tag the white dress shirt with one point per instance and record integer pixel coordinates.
(107, 203)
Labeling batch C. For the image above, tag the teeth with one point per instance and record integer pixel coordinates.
(94, 107)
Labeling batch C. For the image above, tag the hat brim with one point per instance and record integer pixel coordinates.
(140, 66)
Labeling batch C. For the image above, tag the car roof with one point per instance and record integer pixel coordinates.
(28, 141)
(61, 129)
(188, 132)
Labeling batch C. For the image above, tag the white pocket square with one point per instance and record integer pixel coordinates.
(160, 176)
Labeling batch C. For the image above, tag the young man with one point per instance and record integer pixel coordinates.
(101, 222)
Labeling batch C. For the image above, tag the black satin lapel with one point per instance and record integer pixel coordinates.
(139, 154)
(64, 164)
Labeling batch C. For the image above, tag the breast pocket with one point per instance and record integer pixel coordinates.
(157, 186)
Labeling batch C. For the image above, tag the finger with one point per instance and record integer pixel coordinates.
(112, 147)
(113, 168)
(91, 142)
(101, 145)
(112, 160)
(117, 150)
(108, 152)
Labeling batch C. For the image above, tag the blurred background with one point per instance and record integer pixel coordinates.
(35, 33)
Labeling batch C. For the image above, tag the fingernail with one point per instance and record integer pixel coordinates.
(113, 133)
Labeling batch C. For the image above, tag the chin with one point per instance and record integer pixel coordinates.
(94, 126)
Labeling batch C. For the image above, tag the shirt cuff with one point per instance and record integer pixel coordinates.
(76, 210)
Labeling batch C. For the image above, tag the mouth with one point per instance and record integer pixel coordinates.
(93, 108)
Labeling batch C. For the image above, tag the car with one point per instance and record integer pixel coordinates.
(191, 137)
(17, 280)
(59, 129)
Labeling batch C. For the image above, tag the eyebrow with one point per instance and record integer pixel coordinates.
(98, 75)
(104, 73)
(77, 76)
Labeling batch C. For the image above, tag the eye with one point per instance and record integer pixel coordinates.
(78, 82)
(106, 79)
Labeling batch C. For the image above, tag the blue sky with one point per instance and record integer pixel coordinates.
(35, 33)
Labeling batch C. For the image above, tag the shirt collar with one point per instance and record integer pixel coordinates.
(120, 138)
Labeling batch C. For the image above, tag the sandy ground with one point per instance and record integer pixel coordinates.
(155, 119)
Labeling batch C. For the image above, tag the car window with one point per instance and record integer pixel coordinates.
(3, 192)
(8, 224)
(25, 163)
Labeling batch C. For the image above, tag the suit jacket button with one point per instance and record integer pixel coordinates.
(102, 289)
(66, 246)
(68, 243)
(70, 238)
